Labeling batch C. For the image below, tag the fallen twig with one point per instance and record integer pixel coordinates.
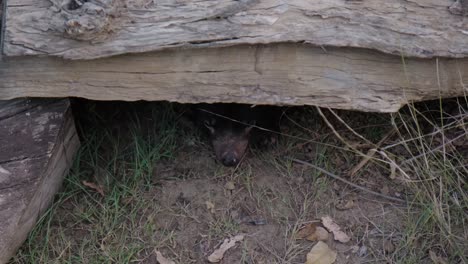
(347, 182)
(370, 154)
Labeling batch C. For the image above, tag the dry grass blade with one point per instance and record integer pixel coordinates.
(346, 181)
(370, 154)
(98, 188)
(329, 124)
(348, 127)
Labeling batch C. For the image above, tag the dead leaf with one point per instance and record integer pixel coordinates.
(343, 204)
(210, 206)
(162, 260)
(299, 180)
(229, 186)
(218, 254)
(321, 234)
(96, 187)
(321, 254)
(306, 231)
(335, 229)
(436, 259)
(388, 246)
(312, 232)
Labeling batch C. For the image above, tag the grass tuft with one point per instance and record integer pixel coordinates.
(158, 175)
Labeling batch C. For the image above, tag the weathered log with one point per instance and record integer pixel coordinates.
(291, 74)
(2, 7)
(294, 74)
(37, 144)
(87, 29)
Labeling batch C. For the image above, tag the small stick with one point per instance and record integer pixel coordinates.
(370, 154)
(325, 119)
(336, 177)
(348, 127)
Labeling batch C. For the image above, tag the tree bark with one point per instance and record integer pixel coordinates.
(88, 29)
(37, 145)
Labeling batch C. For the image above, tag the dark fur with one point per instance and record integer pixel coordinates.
(233, 127)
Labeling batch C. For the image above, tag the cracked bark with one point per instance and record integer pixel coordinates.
(418, 28)
(238, 52)
(37, 144)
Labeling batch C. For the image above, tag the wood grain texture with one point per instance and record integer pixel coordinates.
(2, 7)
(88, 29)
(37, 144)
(290, 74)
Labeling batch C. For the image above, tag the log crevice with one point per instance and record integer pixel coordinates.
(98, 28)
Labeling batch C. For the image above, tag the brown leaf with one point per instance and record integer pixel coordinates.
(344, 204)
(306, 231)
(320, 234)
(335, 229)
(96, 187)
(218, 254)
(388, 246)
(162, 260)
(312, 232)
(210, 206)
(321, 254)
(230, 186)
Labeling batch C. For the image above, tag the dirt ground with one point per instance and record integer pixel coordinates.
(268, 203)
(146, 181)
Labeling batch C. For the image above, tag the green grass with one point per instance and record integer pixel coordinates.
(439, 182)
(125, 146)
(122, 162)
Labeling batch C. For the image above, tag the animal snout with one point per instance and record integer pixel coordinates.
(230, 159)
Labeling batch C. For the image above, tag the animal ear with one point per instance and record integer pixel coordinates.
(210, 125)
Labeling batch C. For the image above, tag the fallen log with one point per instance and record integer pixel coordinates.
(291, 74)
(88, 29)
(37, 144)
(339, 54)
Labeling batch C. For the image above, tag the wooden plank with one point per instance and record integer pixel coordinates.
(416, 28)
(2, 8)
(291, 74)
(37, 144)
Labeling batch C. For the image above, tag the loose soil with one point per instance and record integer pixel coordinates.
(183, 203)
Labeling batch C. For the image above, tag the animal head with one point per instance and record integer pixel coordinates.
(230, 140)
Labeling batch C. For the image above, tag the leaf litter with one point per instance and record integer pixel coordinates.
(331, 226)
(163, 260)
(312, 232)
(321, 254)
(218, 254)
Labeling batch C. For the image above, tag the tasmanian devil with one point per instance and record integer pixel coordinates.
(232, 127)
